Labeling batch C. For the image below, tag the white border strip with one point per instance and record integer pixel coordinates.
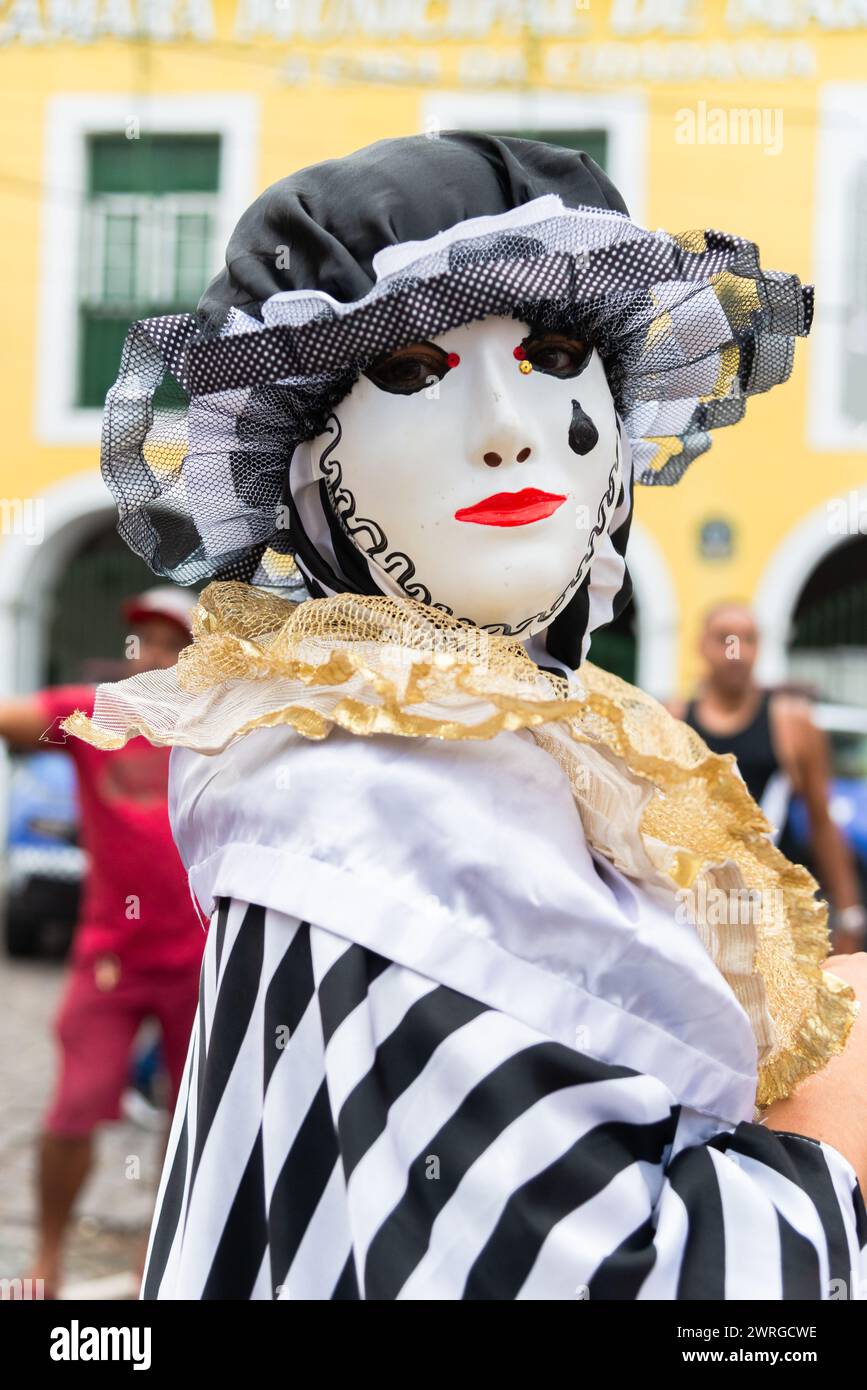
(68, 121)
(788, 570)
(840, 147)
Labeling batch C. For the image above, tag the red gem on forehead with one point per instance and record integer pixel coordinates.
(519, 353)
(453, 359)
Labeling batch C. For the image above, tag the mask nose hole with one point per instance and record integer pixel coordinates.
(494, 460)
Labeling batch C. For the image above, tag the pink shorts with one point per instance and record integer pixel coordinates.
(96, 1027)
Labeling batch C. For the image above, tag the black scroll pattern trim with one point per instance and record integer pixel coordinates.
(398, 564)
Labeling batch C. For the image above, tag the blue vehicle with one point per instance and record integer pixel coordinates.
(846, 729)
(44, 864)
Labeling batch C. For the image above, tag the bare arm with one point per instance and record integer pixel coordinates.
(22, 722)
(810, 769)
(828, 1106)
(833, 856)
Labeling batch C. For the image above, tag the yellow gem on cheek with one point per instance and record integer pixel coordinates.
(525, 366)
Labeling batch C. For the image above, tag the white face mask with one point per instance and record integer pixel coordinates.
(486, 490)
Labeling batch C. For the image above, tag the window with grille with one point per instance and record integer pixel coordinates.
(147, 246)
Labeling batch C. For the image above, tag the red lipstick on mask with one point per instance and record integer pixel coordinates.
(512, 508)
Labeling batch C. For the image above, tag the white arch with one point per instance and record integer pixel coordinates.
(41, 535)
(69, 512)
(789, 567)
(657, 614)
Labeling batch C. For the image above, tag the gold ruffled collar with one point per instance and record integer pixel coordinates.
(652, 798)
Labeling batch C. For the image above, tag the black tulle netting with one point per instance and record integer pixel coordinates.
(200, 427)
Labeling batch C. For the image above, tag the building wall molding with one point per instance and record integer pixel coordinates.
(786, 573)
(75, 509)
(657, 612)
(69, 512)
(840, 153)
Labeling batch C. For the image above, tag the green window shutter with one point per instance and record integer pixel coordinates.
(154, 164)
(147, 245)
(118, 265)
(593, 142)
(194, 231)
(101, 339)
(614, 647)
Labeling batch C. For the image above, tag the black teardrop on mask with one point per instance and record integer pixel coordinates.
(583, 434)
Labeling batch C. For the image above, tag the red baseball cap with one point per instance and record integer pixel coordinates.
(164, 601)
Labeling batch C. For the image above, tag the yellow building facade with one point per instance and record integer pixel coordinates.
(745, 115)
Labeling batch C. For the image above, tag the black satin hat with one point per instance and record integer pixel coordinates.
(408, 238)
(333, 217)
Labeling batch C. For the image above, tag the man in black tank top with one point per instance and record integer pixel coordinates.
(752, 745)
(779, 751)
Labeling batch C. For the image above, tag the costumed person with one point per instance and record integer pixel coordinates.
(469, 1024)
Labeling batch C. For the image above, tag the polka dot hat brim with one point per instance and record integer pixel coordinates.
(688, 327)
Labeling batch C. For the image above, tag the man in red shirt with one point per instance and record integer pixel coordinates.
(138, 944)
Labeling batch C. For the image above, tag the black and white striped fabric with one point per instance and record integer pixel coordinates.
(350, 1128)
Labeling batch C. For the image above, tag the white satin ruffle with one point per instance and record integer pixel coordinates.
(466, 862)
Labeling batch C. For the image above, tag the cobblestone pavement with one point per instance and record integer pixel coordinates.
(109, 1230)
